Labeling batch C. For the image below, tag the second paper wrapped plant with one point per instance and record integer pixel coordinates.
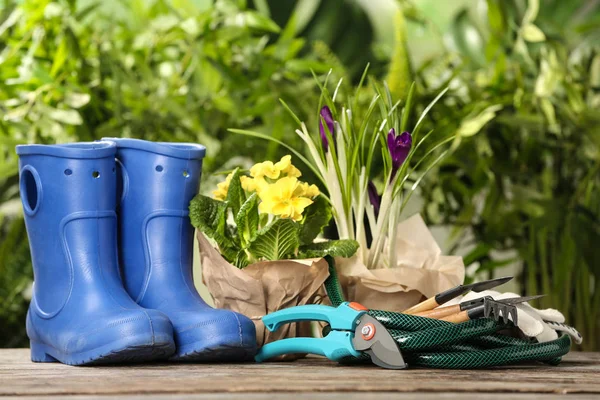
(370, 158)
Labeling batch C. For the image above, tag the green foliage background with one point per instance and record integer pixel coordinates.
(520, 184)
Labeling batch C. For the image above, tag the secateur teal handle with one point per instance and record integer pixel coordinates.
(335, 346)
(342, 317)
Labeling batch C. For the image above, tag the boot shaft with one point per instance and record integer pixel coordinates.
(155, 235)
(68, 196)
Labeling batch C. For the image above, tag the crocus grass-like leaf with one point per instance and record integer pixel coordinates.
(276, 241)
(333, 248)
(317, 217)
(209, 216)
(235, 195)
(247, 218)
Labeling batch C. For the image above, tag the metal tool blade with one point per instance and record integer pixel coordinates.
(489, 284)
(450, 294)
(467, 305)
(379, 345)
(384, 358)
(497, 310)
(519, 300)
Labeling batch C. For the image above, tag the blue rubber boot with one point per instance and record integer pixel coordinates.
(80, 312)
(156, 249)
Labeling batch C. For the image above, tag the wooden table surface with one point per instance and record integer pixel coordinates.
(578, 375)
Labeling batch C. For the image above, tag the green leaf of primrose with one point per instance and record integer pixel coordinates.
(333, 248)
(247, 219)
(276, 241)
(209, 216)
(317, 217)
(235, 195)
(241, 259)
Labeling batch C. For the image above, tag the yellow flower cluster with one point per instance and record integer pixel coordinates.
(259, 173)
(277, 186)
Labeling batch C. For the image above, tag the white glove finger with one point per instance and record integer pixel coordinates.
(529, 324)
(547, 334)
(551, 314)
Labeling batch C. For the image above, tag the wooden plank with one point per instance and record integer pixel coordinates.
(579, 373)
(323, 396)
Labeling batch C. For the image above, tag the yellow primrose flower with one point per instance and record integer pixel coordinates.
(253, 184)
(279, 199)
(285, 166)
(264, 169)
(306, 190)
(222, 188)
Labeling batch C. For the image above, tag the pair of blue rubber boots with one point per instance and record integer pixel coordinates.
(112, 247)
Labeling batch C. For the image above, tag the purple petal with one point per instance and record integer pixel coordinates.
(399, 147)
(325, 115)
(391, 142)
(374, 197)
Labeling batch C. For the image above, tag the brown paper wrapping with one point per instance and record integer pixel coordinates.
(263, 288)
(420, 271)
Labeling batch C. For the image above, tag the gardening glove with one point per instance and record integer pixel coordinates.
(540, 324)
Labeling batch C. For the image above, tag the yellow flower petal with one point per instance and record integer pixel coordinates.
(293, 171)
(222, 188)
(284, 163)
(312, 191)
(300, 203)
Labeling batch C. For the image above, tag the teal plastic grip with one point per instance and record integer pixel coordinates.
(339, 318)
(335, 346)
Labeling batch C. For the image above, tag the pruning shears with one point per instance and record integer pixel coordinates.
(353, 332)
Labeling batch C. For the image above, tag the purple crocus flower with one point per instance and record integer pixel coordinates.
(325, 115)
(399, 147)
(374, 197)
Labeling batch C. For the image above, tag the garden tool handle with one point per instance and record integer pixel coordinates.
(457, 318)
(440, 312)
(342, 317)
(426, 305)
(335, 346)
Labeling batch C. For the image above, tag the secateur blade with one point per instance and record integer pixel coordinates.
(498, 309)
(374, 339)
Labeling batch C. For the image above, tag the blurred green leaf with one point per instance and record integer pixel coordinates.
(532, 33)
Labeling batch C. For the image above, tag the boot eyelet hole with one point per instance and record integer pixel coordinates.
(186, 174)
(114, 169)
(31, 190)
(96, 174)
(159, 168)
(68, 172)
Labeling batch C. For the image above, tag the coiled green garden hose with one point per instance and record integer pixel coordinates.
(434, 343)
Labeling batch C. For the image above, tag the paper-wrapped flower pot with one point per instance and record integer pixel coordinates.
(421, 271)
(262, 288)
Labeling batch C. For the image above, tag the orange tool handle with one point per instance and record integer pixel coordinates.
(456, 318)
(426, 305)
(440, 312)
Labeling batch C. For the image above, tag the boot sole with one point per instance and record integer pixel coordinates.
(121, 352)
(222, 353)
